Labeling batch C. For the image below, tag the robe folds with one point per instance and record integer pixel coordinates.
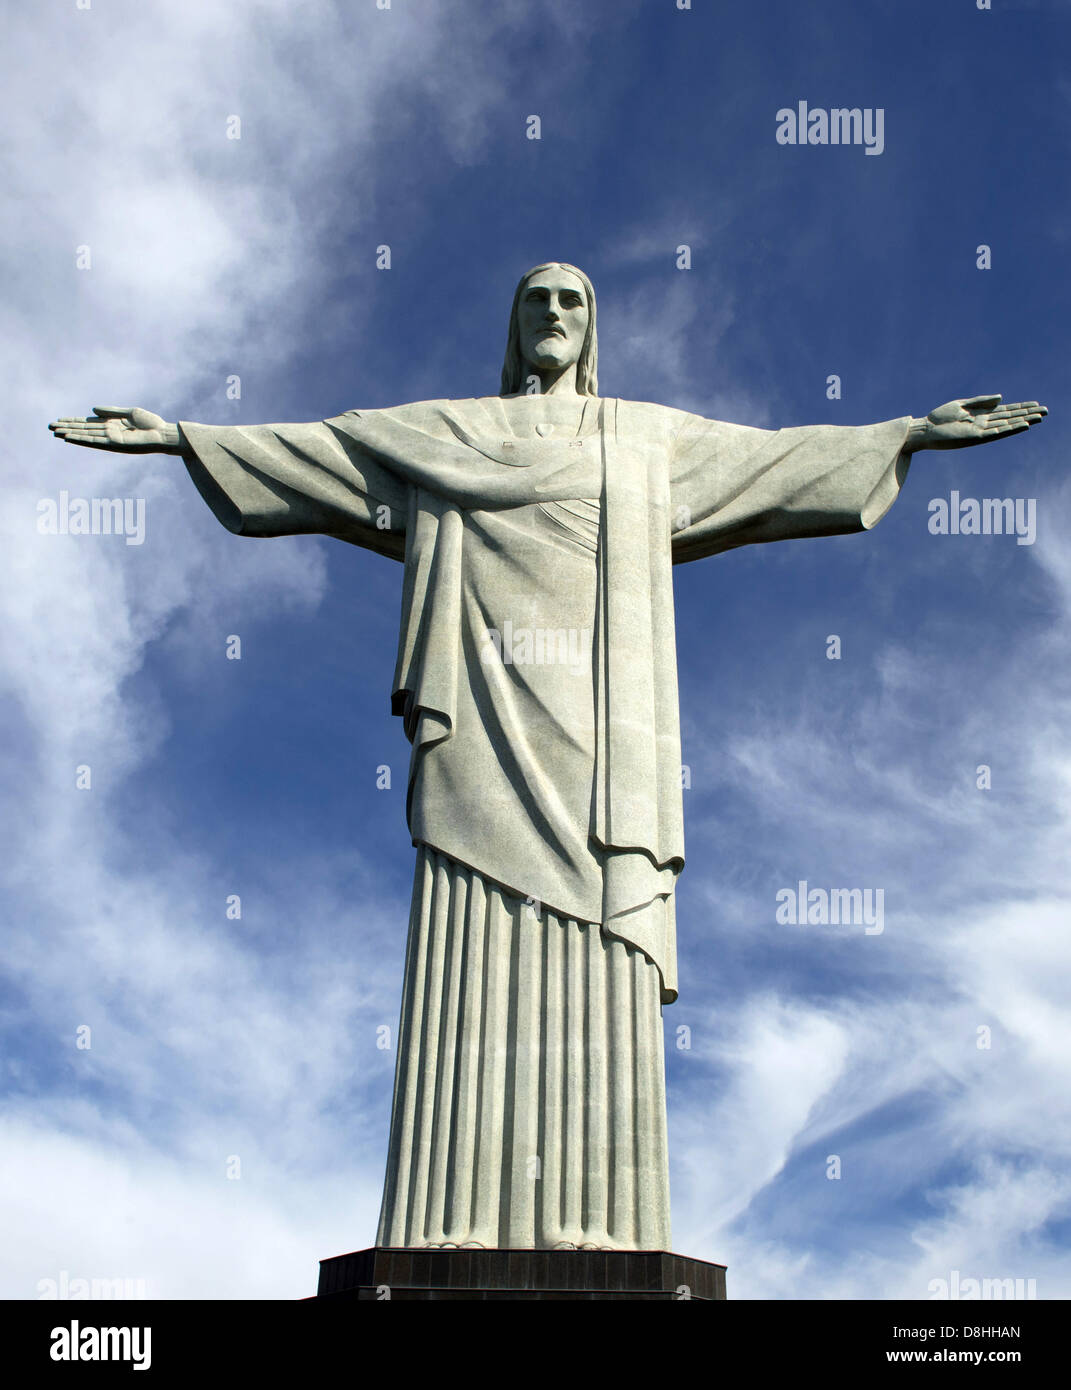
(529, 1094)
(536, 679)
(536, 670)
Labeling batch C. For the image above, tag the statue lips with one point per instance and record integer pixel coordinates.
(543, 334)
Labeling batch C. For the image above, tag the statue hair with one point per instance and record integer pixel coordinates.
(587, 373)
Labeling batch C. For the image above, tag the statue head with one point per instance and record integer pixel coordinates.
(552, 324)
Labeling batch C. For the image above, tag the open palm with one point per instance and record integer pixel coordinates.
(976, 420)
(128, 430)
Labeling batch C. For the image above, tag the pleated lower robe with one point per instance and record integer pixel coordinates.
(529, 1098)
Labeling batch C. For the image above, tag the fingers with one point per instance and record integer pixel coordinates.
(980, 402)
(1031, 411)
(65, 428)
(999, 431)
(1011, 419)
(94, 433)
(1023, 408)
(92, 441)
(103, 414)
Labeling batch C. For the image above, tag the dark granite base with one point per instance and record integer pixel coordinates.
(380, 1274)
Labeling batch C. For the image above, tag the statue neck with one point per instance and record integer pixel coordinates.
(554, 381)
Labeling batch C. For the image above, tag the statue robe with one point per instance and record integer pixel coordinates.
(536, 677)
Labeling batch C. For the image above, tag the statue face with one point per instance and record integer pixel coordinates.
(552, 317)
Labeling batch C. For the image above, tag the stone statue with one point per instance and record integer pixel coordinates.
(537, 684)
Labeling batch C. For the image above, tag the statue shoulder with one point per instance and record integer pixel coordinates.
(655, 409)
(653, 420)
(400, 411)
(431, 416)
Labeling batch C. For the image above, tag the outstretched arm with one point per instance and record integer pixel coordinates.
(267, 480)
(976, 420)
(123, 429)
(734, 485)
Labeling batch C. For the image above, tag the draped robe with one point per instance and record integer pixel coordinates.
(536, 678)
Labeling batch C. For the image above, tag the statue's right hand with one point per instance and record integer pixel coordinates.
(133, 430)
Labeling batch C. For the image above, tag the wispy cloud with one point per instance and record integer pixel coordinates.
(257, 1038)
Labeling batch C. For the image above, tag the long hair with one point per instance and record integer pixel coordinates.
(587, 366)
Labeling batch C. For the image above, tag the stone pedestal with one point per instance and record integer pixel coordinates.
(380, 1273)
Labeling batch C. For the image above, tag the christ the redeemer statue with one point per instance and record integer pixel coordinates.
(537, 683)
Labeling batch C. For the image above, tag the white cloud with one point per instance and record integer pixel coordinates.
(203, 251)
(98, 1211)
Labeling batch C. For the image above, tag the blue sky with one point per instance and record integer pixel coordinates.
(256, 257)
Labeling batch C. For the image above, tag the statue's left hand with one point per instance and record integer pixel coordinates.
(123, 429)
(975, 420)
